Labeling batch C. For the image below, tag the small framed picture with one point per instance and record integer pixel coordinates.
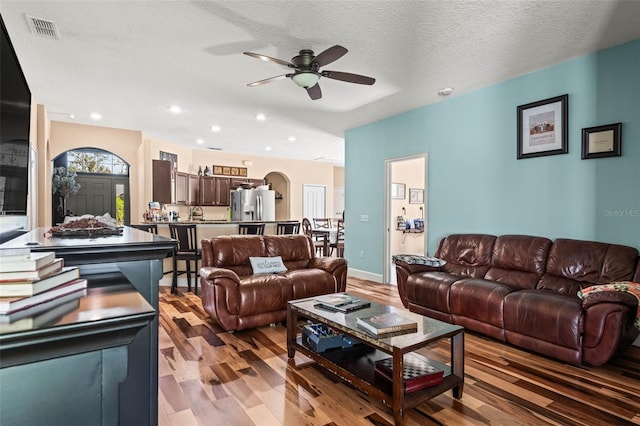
(601, 141)
(398, 191)
(543, 127)
(416, 196)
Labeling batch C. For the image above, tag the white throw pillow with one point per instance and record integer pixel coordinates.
(267, 265)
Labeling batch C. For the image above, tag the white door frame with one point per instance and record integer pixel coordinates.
(388, 219)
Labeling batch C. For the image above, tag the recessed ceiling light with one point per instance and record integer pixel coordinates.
(446, 91)
(261, 117)
(215, 128)
(95, 116)
(200, 141)
(175, 109)
(267, 148)
(291, 139)
(72, 116)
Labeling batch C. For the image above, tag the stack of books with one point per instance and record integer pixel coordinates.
(36, 288)
(387, 324)
(340, 302)
(419, 372)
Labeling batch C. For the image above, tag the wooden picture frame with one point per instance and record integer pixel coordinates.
(602, 141)
(416, 196)
(543, 127)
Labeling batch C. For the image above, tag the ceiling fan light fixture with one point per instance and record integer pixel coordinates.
(306, 79)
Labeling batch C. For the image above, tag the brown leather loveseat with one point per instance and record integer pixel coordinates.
(523, 290)
(237, 299)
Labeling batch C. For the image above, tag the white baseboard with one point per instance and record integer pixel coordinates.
(364, 275)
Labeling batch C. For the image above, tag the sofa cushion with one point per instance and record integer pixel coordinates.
(263, 293)
(575, 264)
(311, 282)
(518, 260)
(296, 250)
(480, 300)
(546, 316)
(467, 255)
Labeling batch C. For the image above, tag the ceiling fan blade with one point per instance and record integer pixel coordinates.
(270, 59)
(331, 54)
(314, 92)
(267, 80)
(349, 77)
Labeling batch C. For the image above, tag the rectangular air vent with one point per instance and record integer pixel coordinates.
(214, 148)
(43, 27)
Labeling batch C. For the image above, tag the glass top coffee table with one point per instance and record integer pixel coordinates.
(356, 365)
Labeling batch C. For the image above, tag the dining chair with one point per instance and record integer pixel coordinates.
(338, 244)
(148, 227)
(286, 228)
(307, 230)
(186, 249)
(251, 228)
(321, 223)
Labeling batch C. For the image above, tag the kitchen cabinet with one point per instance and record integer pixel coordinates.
(182, 188)
(194, 190)
(162, 187)
(223, 191)
(214, 191)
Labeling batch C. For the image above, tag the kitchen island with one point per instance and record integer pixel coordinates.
(115, 373)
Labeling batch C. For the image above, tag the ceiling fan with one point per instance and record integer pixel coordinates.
(307, 70)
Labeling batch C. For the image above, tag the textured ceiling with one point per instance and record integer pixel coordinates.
(130, 60)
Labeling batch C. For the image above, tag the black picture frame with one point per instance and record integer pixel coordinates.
(543, 127)
(602, 141)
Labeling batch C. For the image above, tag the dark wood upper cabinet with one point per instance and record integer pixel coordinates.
(194, 190)
(182, 188)
(214, 191)
(223, 191)
(161, 174)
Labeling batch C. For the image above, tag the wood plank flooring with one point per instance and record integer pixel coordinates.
(211, 377)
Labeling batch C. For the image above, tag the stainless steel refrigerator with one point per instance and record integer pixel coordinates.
(253, 204)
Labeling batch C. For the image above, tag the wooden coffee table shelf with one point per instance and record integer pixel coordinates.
(356, 365)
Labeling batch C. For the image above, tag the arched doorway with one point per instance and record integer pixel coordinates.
(104, 185)
(281, 185)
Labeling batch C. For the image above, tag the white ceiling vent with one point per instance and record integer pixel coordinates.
(43, 27)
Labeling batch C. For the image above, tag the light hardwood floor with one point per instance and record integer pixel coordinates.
(211, 377)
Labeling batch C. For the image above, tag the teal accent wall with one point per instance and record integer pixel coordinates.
(475, 183)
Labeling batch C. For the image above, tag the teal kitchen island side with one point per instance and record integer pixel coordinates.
(97, 364)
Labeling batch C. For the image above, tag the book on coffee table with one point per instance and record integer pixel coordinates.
(388, 323)
(419, 371)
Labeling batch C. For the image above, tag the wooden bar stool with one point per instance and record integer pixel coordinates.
(186, 249)
(251, 228)
(287, 228)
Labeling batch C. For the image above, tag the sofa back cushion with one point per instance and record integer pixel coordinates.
(518, 260)
(233, 252)
(297, 251)
(574, 264)
(467, 255)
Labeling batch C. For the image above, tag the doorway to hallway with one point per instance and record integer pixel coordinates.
(405, 218)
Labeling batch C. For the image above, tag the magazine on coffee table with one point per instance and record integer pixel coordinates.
(340, 302)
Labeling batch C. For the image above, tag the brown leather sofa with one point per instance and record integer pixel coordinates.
(237, 299)
(523, 290)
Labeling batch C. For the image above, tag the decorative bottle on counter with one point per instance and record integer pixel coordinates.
(199, 170)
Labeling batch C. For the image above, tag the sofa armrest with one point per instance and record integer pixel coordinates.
(336, 266)
(210, 273)
(413, 268)
(609, 297)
